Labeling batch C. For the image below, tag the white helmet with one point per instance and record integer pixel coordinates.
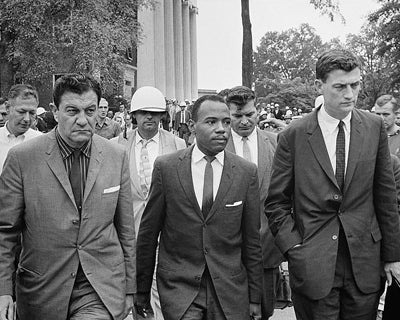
(148, 99)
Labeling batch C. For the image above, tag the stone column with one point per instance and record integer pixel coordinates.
(178, 49)
(169, 48)
(159, 47)
(193, 52)
(187, 77)
(145, 50)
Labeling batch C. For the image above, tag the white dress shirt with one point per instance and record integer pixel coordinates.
(251, 141)
(330, 130)
(153, 147)
(198, 169)
(8, 140)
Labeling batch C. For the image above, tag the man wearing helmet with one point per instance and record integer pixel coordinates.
(144, 144)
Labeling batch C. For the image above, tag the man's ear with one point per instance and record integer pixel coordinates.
(318, 85)
(54, 110)
(191, 125)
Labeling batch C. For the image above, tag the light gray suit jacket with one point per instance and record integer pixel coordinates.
(36, 200)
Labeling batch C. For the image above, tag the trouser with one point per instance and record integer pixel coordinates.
(269, 291)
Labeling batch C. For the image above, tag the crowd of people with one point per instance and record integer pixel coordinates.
(187, 210)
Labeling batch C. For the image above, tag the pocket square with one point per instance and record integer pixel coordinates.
(235, 204)
(112, 189)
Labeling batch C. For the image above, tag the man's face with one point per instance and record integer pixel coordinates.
(387, 114)
(77, 117)
(340, 91)
(397, 121)
(147, 122)
(243, 120)
(3, 114)
(121, 108)
(212, 127)
(102, 111)
(22, 114)
(128, 120)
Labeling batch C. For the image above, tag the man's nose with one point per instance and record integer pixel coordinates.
(27, 117)
(82, 119)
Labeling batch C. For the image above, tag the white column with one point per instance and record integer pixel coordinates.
(169, 49)
(159, 47)
(193, 52)
(187, 72)
(145, 50)
(178, 50)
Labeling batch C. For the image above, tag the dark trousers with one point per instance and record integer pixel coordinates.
(345, 301)
(184, 132)
(392, 303)
(206, 305)
(268, 296)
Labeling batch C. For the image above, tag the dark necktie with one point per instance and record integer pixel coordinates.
(76, 179)
(340, 156)
(208, 187)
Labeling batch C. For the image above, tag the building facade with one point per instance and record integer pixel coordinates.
(167, 55)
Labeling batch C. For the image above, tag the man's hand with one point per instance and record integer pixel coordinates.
(142, 305)
(7, 311)
(128, 305)
(392, 269)
(255, 311)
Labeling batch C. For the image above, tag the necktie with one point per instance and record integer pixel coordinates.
(75, 177)
(208, 187)
(182, 117)
(340, 156)
(246, 149)
(145, 168)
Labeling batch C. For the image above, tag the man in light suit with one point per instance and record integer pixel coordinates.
(68, 193)
(332, 200)
(256, 146)
(148, 106)
(204, 206)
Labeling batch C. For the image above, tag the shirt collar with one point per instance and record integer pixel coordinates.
(139, 138)
(250, 137)
(330, 123)
(198, 155)
(106, 122)
(66, 150)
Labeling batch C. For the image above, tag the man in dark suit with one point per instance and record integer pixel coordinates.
(182, 119)
(203, 204)
(68, 193)
(332, 200)
(256, 146)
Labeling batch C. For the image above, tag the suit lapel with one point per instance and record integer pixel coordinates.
(167, 145)
(96, 157)
(230, 146)
(356, 143)
(56, 165)
(318, 147)
(185, 177)
(224, 185)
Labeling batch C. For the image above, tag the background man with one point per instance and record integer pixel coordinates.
(332, 200)
(68, 193)
(106, 127)
(3, 112)
(386, 106)
(204, 205)
(182, 119)
(256, 146)
(21, 106)
(144, 145)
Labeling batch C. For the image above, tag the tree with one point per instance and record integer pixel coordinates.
(85, 35)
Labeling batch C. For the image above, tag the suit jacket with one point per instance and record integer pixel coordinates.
(177, 123)
(272, 256)
(168, 144)
(227, 241)
(36, 199)
(303, 181)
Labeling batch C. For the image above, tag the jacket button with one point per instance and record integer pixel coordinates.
(79, 247)
(75, 221)
(335, 196)
(205, 250)
(73, 274)
(197, 278)
(334, 237)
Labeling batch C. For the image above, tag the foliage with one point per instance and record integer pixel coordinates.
(85, 35)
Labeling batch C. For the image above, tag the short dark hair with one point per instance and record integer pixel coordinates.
(223, 93)
(335, 59)
(75, 83)
(199, 101)
(240, 96)
(386, 98)
(25, 91)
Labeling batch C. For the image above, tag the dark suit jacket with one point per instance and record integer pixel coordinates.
(178, 119)
(303, 181)
(227, 241)
(272, 256)
(36, 199)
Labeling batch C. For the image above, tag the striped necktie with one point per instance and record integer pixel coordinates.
(145, 168)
